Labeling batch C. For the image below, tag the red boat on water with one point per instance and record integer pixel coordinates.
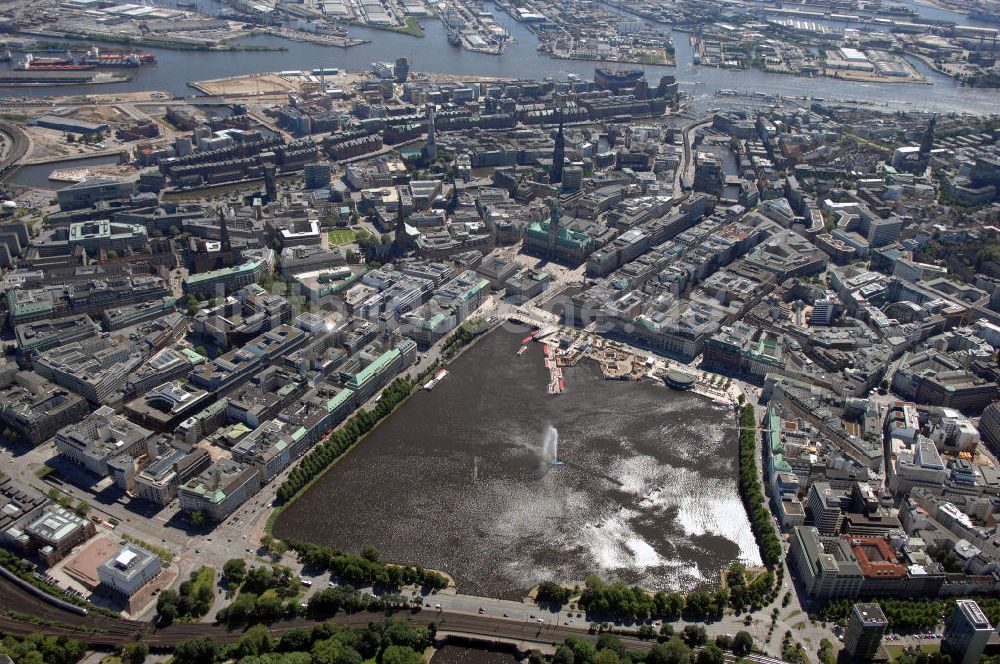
(50, 63)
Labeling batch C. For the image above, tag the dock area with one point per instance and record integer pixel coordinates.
(557, 385)
(565, 347)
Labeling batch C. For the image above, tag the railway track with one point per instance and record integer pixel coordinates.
(18, 148)
(100, 630)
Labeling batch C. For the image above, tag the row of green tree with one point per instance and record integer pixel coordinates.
(904, 615)
(911, 615)
(550, 592)
(389, 642)
(748, 591)
(462, 337)
(189, 602)
(367, 568)
(330, 601)
(266, 594)
(41, 649)
(752, 494)
(260, 579)
(252, 609)
(338, 442)
(621, 601)
(689, 647)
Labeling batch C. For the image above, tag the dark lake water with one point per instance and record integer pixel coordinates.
(457, 480)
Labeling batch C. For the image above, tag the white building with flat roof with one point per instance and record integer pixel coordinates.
(127, 571)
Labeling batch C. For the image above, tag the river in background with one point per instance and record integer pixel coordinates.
(457, 480)
(433, 54)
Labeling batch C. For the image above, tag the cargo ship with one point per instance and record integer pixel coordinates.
(65, 63)
(96, 57)
(64, 59)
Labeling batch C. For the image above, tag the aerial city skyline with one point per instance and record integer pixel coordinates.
(570, 331)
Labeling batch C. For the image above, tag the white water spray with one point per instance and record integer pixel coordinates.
(550, 446)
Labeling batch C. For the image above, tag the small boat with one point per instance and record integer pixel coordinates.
(441, 375)
(429, 385)
(528, 339)
(521, 350)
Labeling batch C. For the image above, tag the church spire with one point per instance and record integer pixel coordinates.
(430, 148)
(926, 145)
(558, 154)
(224, 231)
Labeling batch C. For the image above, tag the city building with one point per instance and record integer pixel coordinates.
(93, 190)
(825, 566)
(967, 632)
(221, 282)
(159, 480)
(42, 335)
(100, 437)
(104, 235)
(164, 406)
(127, 571)
(316, 176)
(219, 490)
(54, 532)
(96, 369)
(35, 409)
(865, 627)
